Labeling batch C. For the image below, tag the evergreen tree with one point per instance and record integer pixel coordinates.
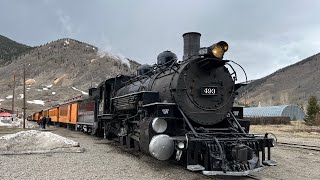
(312, 109)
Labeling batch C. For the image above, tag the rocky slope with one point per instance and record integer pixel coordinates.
(57, 71)
(293, 84)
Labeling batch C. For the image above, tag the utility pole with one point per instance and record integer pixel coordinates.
(14, 86)
(24, 95)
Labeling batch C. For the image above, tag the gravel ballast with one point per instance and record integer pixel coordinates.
(104, 159)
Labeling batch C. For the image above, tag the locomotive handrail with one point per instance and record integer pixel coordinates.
(187, 121)
(158, 103)
(117, 97)
(238, 124)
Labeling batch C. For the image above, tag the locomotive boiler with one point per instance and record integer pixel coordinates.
(183, 111)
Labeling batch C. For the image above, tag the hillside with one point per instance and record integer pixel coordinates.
(10, 49)
(57, 71)
(290, 85)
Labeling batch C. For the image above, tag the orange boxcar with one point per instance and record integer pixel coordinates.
(54, 115)
(74, 113)
(37, 116)
(45, 112)
(68, 113)
(64, 114)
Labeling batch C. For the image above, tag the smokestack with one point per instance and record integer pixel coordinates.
(191, 44)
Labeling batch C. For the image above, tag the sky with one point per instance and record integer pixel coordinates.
(263, 36)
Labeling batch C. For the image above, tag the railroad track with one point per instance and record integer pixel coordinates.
(299, 146)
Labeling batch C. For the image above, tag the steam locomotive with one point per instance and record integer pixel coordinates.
(180, 111)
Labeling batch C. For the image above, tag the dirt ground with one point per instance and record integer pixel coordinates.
(293, 163)
(105, 159)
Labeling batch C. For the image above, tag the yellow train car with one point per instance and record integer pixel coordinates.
(65, 114)
(68, 113)
(37, 116)
(45, 112)
(54, 114)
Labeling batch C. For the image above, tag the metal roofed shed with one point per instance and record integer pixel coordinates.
(292, 111)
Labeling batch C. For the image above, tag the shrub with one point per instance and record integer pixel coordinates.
(312, 110)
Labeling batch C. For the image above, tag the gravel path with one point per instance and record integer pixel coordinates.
(104, 159)
(293, 163)
(101, 160)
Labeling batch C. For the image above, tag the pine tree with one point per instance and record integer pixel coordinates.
(312, 109)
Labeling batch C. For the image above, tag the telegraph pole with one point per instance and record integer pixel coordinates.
(14, 86)
(24, 95)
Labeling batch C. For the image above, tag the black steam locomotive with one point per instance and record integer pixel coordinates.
(182, 111)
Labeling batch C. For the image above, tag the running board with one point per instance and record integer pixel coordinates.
(196, 167)
(230, 173)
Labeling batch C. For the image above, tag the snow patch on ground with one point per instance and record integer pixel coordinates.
(36, 102)
(66, 42)
(53, 93)
(17, 123)
(2, 124)
(92, 60)
(45, 89)
(83, 92)
(49, 86)
(9, 97)
(1, 100)
(34, 141)
(39, 89)
(20, 96)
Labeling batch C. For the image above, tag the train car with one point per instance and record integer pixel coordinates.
(37, 116)
(54, 114)
(87, 116)
(34, 117)
(45, 112)
(176, 110)
(68, 114)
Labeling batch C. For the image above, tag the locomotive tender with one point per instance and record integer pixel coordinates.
(180, 111)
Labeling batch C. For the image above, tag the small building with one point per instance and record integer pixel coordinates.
(5, 117)
(292, 111)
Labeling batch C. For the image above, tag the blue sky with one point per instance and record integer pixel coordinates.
(263, 36)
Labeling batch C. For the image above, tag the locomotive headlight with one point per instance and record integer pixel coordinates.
(180, 145)
(159, 125)
(219, 49)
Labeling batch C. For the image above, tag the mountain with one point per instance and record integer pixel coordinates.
(293, 84)
(58, 71)
(10, 49)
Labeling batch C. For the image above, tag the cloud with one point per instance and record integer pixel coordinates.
(106, 49)
(66, 23)
(263, 35)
